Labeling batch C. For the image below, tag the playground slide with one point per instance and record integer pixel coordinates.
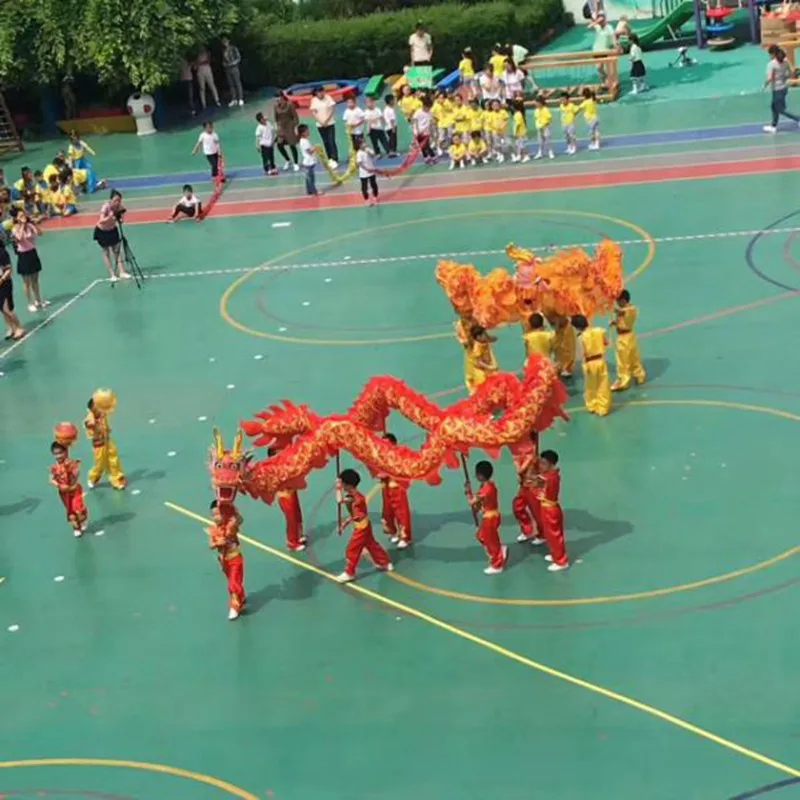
(667, 27)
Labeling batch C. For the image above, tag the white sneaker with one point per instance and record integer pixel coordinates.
(113, 279)
(232, 104)
(296, 167)
(548, 558)
(394, 539)
(32, 307)
(241, 102)
(84, 527)
(233, 614)
(388, 568)
(298, 548)
(345, 577)
(557, 567)
(537, 156)
(333, 164)
(593, 146)
(537, 541)
(90, 485)
(770, 129)
(514, 159)
(462, 165)
(77, 533)
(403, 544)
(44, 304)
(552, 154)
(492, 570)
(526, 158)
(287, 166)
(523, 538)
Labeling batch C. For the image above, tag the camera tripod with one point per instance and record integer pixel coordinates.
(129, 258)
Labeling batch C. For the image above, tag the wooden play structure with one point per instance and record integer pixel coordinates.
(9, 136)
(573, 72)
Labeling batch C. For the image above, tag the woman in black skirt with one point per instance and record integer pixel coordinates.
(24, 233)
(106, 234)
(14, 329)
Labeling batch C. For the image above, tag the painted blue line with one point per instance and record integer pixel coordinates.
(622, 140)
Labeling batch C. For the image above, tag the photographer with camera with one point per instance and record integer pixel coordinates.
(107, 235)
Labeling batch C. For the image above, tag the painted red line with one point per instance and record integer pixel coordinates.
(537, 183)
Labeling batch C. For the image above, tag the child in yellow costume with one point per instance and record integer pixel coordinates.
(480, 362)
(596, 383)
(629, 360)
(565, 346)
(537, 339)
(106, 457)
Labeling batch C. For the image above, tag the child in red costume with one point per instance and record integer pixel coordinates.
(396, 511)
(489, 531)
(289, 502)
(224, 538)
(65, 475)
(362, 538)
(552, 515)
(525, 505)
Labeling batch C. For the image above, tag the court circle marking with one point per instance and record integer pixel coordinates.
(645, 595)
(239, 282)
(162, 769)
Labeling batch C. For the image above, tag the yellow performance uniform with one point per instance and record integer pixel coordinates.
(477, 148)
(466, 68)
(520, 126)
(475, 119)
(539, 341)
(479, 365)
(629, 360)
(589, 108)
(568, 113)
(461, 119)
(106, 456)
(565, 348)
(499, 122)
(409, 104)
(542, 117)
(596, 384)
(458, 152)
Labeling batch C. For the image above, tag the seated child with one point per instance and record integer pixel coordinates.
(188, 207)
(457, 152)
(66, 205)
(477, 149)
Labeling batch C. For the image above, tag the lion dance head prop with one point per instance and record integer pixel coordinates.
(228, 467)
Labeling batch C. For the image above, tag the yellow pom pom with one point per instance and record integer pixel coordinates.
(104, 400)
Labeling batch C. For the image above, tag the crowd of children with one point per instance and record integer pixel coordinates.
(52, 191)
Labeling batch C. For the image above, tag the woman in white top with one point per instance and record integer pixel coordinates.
(366, 173)
(353, 118)
(373, 118)
(512, 79)
(212, 150)
(323, 109)
(491, 88)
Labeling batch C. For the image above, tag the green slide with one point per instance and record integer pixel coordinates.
(668, 27)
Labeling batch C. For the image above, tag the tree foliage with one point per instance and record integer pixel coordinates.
(133, 42)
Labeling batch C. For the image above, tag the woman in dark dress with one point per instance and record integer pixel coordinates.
(286, 121)
(14, 329)
(106, 234)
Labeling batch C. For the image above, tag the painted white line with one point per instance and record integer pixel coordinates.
(45, 322)
(281, 224)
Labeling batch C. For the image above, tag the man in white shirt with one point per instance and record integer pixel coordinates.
(323, 109)
(421, 46)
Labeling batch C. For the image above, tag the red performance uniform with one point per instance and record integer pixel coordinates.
(396, 512)
(66, 476)
(489, 531)
(225, 540)
(289, 501)
(362, 538)
(551, 514)
(526, 505)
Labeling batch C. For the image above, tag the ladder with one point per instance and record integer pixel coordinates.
(9, 137)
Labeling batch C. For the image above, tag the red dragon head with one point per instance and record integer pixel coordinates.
(228, 467)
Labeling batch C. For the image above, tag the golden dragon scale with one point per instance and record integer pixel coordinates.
(503, 412)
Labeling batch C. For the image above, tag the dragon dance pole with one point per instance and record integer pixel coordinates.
(338, 496)
(469, 486)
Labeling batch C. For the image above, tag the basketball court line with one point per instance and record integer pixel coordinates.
(270, 266)
(509, 654)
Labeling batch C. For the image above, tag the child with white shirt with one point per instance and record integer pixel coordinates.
(390, 123)
(212, 150)
(373, 118)
(354, 122)
(188, 207)
(422, 126)
(366, 173)
(265, 143)
(309, 158)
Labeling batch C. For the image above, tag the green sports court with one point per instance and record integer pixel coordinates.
(662, 665)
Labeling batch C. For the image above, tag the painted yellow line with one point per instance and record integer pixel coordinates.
(230, 291)
(163, 769)
(511, 655)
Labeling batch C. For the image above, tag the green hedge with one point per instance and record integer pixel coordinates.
(281, 55)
